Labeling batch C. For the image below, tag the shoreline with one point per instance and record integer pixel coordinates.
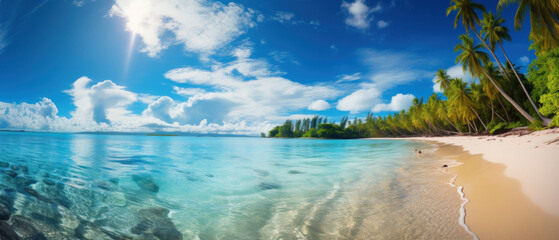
(508, 180)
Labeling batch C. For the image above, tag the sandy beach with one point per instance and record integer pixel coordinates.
(509, 180)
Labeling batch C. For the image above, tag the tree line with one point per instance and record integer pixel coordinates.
(501, 98)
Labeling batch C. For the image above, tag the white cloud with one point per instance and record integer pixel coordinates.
(524, 59)
(242, 52)
(102, 102)
(360, 100)
(359, 15)
(382, 24)
(289, 18)
(390, 68)
(436, 86)
(199, 25)
(28, 116)
(319, 105)
(454, 72)
(387, 70)
(349, 77)
(399, 102)
(284, 17)
(188, 91)
(282, 56)
(243, 89)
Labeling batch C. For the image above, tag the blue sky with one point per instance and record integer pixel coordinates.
(219, 66)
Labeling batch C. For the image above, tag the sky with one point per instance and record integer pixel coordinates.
(211, 66)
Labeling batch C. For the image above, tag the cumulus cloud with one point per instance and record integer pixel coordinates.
(399, 102)
(319, 105)
(359, 15)
(454, 72)
(101, 102)
(201, 26)
(360, 100)
(524, 59)
(28, 116)
(387, 69)
(244, 89)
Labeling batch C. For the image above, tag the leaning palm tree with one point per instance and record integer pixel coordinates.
(494, 32)
(490, 90)
(442, 78)
(472, 59)
(544, 17)
(467, 12)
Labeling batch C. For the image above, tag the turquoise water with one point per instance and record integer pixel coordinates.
(151, 187)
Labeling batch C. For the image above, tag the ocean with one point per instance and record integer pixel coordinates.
(91, 186)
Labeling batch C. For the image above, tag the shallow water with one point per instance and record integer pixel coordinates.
(154, 187)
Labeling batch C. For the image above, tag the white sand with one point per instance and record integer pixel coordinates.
(531, 159)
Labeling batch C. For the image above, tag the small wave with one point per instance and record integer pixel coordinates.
(462, 218)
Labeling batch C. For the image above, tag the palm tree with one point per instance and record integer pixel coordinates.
(442, 78)
(490, 90)
(461, 99)
(544, 16)
(467, 12)
(494, 32)
(471, 57)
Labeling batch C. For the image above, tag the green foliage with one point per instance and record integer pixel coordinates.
(496, 128)
(262, 135)
(311, 133)
(543, 73)
(329, 130)
(274, 132)
(536, 125)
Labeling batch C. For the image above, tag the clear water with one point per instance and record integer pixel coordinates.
(152, 187)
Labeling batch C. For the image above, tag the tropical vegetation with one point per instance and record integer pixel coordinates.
(500, 98)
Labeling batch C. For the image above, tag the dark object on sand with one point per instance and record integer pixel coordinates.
(445, 165)
(419, 152)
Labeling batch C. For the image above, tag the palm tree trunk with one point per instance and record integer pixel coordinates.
(546, 121)
(492, 53)
(492, 110)
(504, 109)
(498, 115)
(448, 120)
(518, 107)
(475, 112)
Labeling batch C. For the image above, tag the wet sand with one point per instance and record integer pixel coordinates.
(498, 208)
